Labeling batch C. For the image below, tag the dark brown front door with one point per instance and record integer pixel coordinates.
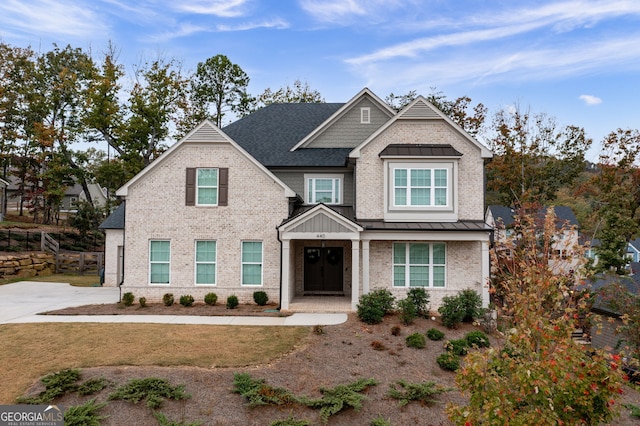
(323, 270)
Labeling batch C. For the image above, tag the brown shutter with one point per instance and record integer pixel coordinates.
(190, 198)
(223, 186)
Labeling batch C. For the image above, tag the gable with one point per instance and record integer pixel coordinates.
(321, 222)
(355, 125)
(206, 133)
(348, 127)
(422, 110)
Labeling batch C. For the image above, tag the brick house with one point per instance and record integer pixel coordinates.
(308, 199)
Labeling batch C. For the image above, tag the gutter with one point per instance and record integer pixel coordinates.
(280, 290)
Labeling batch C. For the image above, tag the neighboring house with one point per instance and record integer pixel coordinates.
(633, 250)
(308, 199)
(501, 219)
(3, 198)
(606, 336)
(75, 193)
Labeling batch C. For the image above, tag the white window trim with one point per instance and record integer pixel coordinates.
(217, 187)
(407, 275)
(196, 263)
(432, 188)
(150, 262)
(448, 213)
(261, 263)
(365, 115)
(308, 178)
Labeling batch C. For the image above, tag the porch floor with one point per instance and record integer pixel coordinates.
(325, 304)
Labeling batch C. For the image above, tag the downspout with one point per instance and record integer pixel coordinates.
(280, 295)
(124, 237)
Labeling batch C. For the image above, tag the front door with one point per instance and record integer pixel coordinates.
(323, 269)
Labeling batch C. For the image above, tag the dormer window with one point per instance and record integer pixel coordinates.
(325, 189)
(365, 115)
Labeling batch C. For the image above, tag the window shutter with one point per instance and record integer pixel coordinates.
(190, 198)
(223, 186)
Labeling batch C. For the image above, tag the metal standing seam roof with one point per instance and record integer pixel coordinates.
(462, 225)
(269, 134)
(420, 150)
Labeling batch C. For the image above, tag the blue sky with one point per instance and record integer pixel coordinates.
(576, 60)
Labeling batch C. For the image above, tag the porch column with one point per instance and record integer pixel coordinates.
(355, 273)
(365, 266)
(285, 276)
(486, 272)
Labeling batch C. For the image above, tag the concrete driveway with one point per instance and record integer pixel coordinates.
(21, 302)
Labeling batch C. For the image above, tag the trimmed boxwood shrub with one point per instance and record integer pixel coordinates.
(477, 338)
(416, 340)
(448, 361)
(128, 298)
(457, 347)
(168, 299)
(186, 300)
(407, 311)
(375, 305)
(210, 299)
(435, 334)
(143, 302)
(260, 297)
(232, 302)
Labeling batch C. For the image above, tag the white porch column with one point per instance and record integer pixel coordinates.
(285, 276)
(365, 266)
(355, 273)
(486, 272)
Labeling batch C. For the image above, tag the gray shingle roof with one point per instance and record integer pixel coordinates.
(564, 215)
(269, 133)
(115, 220)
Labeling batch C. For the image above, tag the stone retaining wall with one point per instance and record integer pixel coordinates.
(26, 265)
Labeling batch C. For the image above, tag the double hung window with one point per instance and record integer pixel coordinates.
(159, 261)
(326, 190)
(413, 187)
(205, 262)
(419, 264)
(251, 263)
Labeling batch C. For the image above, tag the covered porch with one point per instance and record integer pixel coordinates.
(320, 262)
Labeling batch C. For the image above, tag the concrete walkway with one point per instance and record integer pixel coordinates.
(21, 302)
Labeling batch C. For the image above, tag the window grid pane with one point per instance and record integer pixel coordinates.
(159, 262)
(419, 264)
(420, 187)
(324, 190)
(205, 262)
(252, 263)
(207, 187)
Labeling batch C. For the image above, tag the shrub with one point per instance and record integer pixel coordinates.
(167, 299)
(380, 421)
(457, 347)
(477, 338)
(232, 302)
(471, 303)
(416, 340)
(257, 392)
(407, 310)
(448, 361)
(92, 386)
(163, 420)
(186, 300)
(378, 345)
(422, 392)
(452, 311)
(143, 302)
(375, 305)
(435, 334)
(210, 299)
(420, 299)
(127, 299)
(339, 398)
(290, 421)
(85, 414)
(55, 385)
(260, 297)
(153, 389)
(396, 330)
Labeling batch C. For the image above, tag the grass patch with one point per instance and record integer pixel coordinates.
(75, 345)
(72, 279)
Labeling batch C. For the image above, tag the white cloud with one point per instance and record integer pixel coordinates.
(221, 8)
(349, 11)
(590, 99)
(278, 24)
(50, 18)
(182, 30)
